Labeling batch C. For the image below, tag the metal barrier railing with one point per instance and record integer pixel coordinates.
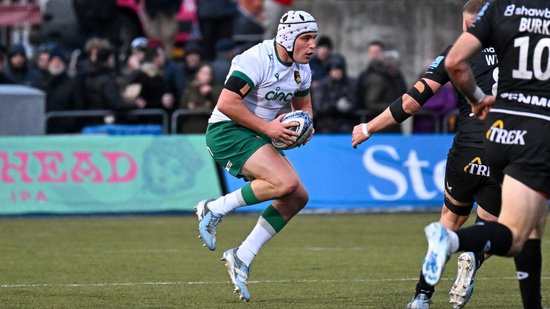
(102, 113)
(182, 113)
(170, 124)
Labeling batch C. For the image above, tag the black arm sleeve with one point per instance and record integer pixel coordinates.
(237, 85)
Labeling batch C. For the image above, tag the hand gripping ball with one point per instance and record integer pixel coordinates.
(303, 125)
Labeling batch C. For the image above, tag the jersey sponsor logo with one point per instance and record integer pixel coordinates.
(297, 77)
(476, 167)
(526, 11)
(526, 99)
(499, 135)
(277, 95)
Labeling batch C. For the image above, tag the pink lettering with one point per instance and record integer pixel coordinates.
(48, 161)
(25, 196)
(22, 168)
(85, 167)
(41, 197)
(113, 158)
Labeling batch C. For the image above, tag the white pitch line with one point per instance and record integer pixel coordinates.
(106, 284)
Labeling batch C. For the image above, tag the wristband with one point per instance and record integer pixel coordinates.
(478, 96)
(364, 129)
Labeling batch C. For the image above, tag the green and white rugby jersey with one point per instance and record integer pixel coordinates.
(273, 84)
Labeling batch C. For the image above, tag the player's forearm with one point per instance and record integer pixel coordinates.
(459, 69)
(233, 107)
(464, 80)
(382, 121)
(303, 103)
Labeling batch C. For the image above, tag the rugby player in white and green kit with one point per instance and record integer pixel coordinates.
(263, 82)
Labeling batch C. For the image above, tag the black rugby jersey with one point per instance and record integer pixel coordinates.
(484, 67)
(519, 30)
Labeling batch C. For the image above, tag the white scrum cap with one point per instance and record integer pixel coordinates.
(291, 25)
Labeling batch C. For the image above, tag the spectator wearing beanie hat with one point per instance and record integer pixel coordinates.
(333, 99)
(18, 68)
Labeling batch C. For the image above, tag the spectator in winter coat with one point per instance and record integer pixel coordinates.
(100, 88)
(333, 99)
(319, 63)
(379, 85)
(62, 94)
(148, 82)
(18, 68)
(200, 95)
(4, 79)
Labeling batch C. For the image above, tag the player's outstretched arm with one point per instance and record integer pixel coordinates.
(401, 109)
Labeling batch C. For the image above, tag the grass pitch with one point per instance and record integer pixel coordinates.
(317, 261)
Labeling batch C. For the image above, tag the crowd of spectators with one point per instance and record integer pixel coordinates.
(148, 77)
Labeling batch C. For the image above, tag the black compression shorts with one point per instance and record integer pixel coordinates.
(467, 179)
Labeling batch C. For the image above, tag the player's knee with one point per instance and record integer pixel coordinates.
(302, 197)
(288, 186)
(516, 247)
(519, 237)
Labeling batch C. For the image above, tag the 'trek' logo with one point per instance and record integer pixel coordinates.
(477, 168)
(498, 134)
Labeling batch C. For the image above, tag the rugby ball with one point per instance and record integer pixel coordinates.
(303, 125)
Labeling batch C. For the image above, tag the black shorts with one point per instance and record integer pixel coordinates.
(467, 179)
(519, 146)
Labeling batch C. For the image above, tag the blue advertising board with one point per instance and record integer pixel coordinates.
(388, 172)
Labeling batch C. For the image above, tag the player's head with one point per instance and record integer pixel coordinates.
(291, 26)
(469, 12)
